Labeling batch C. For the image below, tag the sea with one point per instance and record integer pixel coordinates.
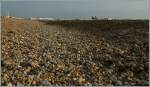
(76, 9)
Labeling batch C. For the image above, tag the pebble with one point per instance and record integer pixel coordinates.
(81, 80)
(2, 63)
(119, 83)
(45, 83)
(9, 84)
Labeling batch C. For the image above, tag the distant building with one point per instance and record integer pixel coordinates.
(107, 19)
(19, 18)
(94, 18)
(41, 18)
(8, 15)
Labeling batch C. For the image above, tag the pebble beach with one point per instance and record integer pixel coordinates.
(74, 53)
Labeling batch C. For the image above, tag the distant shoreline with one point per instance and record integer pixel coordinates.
(51, 18)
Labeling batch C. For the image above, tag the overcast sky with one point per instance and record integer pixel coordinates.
(77, 8)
